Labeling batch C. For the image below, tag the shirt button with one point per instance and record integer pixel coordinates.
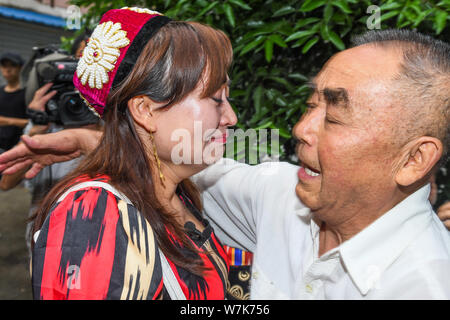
(255, 275)
(309, 288)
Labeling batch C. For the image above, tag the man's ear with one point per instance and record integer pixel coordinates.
(140, 108)
(420, 156)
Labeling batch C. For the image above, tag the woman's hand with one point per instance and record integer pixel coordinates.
(42, 150)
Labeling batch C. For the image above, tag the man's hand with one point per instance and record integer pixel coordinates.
(41, 97)
(42, 150)
(444, 214)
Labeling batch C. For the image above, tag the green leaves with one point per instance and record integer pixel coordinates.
(268, 45)
(250, 46)
(440, 20)
(229, 14)
(268, 49)
(300, 34)
(342, 5)
(334, 38)
(278, 40)
(310, 5)
(415, 13)
(309, 44)
(206, 9)
(284, 11)
(240, 4)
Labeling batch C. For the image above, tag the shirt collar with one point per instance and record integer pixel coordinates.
(369, 253)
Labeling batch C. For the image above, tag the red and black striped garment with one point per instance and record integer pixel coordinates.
(94, 245)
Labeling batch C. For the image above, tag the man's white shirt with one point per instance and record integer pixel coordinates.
(405, 254)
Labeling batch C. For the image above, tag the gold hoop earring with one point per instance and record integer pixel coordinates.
(158, 162)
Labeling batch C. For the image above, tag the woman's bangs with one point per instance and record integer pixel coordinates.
(218, 56)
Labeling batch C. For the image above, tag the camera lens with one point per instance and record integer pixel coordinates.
(74, 106)
(73, 111)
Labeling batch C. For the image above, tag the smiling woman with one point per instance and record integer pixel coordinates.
(127, 201)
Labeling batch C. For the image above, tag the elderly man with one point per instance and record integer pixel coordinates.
(376, 128)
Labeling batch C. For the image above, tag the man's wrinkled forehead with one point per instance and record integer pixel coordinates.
(353, 67)
(357, 76)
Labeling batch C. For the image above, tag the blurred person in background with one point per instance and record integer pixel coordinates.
(79, 43)
(13, 116)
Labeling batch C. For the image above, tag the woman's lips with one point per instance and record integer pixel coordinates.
(220, 139)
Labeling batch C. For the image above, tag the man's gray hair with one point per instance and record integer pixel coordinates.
(423, 83)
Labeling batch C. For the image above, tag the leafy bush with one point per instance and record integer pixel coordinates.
(278, 45)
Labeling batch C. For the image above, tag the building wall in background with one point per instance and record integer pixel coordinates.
(21, 36)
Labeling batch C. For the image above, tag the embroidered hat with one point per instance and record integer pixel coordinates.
(112, 51)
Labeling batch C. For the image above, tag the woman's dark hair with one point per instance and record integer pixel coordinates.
(170, 66)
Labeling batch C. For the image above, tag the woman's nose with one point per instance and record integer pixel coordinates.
(229, 117)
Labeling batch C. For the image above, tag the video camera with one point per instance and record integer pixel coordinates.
(50, 64)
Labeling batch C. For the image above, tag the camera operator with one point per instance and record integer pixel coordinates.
(54, 107)
(13, 117)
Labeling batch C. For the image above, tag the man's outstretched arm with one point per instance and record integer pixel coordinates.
(42, 150)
